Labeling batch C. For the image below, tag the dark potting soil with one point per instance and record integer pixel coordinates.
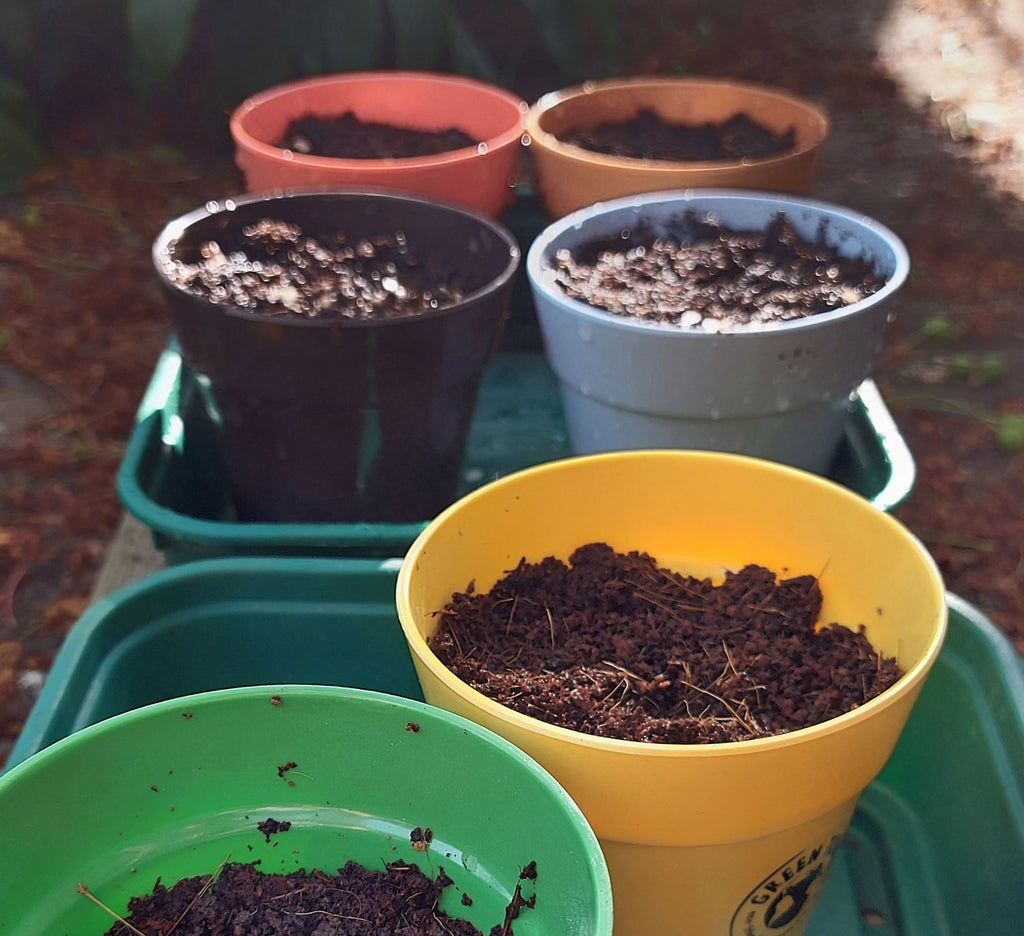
(648, 136)
(284, 272)
(611, 645)
(348, 137)
(399, 901)
(715, 279)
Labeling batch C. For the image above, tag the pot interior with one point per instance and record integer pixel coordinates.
(173, 789)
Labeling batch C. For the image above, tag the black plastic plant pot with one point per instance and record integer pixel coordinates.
(331, 419)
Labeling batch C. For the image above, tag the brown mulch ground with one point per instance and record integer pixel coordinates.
(928, 137)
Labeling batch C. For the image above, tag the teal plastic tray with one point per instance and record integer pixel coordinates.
(936, 847)
(171, 480)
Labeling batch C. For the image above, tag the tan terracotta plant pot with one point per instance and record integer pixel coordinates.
(570, 177)
(482, 176)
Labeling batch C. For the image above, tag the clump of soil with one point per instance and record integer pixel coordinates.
(348, 137)
(648, 136)
(356, 901)
(612, 645)
(285, 272)
(715, 279)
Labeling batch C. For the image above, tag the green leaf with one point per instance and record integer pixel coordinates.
(558, 28)
(160, 32)
(22, 148)
(17, 31)
(1010, 432)
(352, 33)
(469, 57)
(20, 154)
(251, 55)
(421, 27)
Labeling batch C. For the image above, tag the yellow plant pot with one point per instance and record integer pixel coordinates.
(700, 839)
(570, 177)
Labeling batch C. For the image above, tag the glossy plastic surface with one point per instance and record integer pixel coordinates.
(172, 790)
(483, 177)
(936, 845)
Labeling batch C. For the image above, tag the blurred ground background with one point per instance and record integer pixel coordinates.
(927, 103)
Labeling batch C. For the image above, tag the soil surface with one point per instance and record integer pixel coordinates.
(281, 271)
(355, 901)
(612, 645)
(926, 99)
(348, 137)
(725, 280)
(647, 136)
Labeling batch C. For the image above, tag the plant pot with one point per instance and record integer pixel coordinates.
(169, 790)
(570, 177)
(483, 177)
(322, 419)
(699, 838)
(780, 392)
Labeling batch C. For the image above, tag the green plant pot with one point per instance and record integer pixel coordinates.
(172, 789)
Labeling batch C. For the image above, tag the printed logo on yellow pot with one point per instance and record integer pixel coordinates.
(781, 902)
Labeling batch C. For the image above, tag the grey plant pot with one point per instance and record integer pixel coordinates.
(781, 392)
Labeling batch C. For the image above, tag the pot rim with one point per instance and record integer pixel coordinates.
(366, 703)
(537, 266)
(555, 99)
(496, 95)
(175, 229)
(910, 682)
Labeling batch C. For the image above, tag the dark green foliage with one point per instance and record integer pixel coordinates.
(57, 55)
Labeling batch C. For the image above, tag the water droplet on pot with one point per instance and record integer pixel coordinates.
(229, 204)
(287, 154)
(624, 233)
(525, 139)
(512, 181)
(174, 431)
(585, 332)
(588, 87)
(470, 862)
(482, 149)
(212, 206)
(523, 107)
(249, 105)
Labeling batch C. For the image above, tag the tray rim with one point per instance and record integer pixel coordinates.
(162, 392)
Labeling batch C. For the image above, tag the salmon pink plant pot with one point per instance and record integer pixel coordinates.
(482, 176)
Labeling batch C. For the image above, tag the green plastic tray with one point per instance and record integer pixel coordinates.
(171, 480)
(936, 847)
